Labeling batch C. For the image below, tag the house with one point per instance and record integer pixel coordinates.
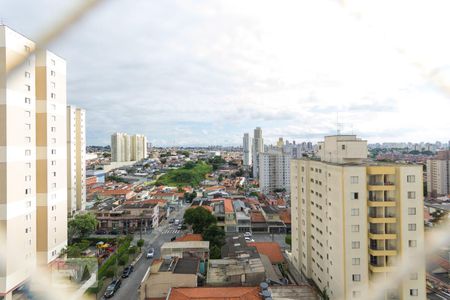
(165, 274)
(198, 249)
(215, 293)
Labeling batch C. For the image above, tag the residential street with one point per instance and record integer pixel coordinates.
(154, 239)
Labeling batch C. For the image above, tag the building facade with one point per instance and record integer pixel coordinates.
(353, 222)
(438, 175)
(128, 148)
(274, 171)
(76, 159)
(33, 166)
(257, 147)
(247, 151)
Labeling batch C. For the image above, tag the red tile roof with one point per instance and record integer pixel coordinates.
(207, 207)
(257, 217)
(285, 216)
(228, 204)
(190, 238)
(271, 249)
(215, 293)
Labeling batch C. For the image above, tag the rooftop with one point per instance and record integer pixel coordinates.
(192, 237)
(219, 293)
(271, 249)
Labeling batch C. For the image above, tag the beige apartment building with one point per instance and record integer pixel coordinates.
(353, 221)
(76, 159)
(128, 148)
(33, 167)
(438, 174)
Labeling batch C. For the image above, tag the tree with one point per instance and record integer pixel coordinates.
(199, 218)
(81, 226)
(140, 243)
(215, 235)
(214, 252)
(220, 179)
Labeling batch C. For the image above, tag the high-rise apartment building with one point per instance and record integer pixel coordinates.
(76, 159)
(128, 148)
(247, 151)
(33, 166)
(274, 171)
(258, 147)
(353, 221)
(438, 174)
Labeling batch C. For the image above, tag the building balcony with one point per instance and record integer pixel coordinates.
(378, 220)
(382, 236)
(378, 203)
(379, 252)
(381, 186)
(380, 269)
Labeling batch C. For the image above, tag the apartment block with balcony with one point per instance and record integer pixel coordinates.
(274, 171)
(354, 221)
(128, 148)
(438, 174)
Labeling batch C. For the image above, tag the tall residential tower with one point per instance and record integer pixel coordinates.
(247, 151)
(353, 221)
(258, 147)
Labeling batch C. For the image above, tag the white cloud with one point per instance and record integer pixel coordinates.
(203, 72)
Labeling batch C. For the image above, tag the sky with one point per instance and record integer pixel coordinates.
(203, 72)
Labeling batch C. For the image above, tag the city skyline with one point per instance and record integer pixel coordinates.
(240, 73)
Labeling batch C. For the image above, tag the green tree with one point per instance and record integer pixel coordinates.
(220, 179)
(215, 235)
(288, 239)
(140, 243)
(81, 226)
(199, 218)
(214, 252)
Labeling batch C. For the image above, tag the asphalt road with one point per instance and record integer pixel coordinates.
(154, 239)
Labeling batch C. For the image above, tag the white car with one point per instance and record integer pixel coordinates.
(150, 253)
(248, 234)
(249, 239)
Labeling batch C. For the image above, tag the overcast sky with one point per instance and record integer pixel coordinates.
(204, 72)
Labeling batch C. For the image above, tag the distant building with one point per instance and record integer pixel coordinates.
(128, 148)
(274, 171)
(258, 147)
(247, 151)
(438, 174)
(76, 159)
(353, 221)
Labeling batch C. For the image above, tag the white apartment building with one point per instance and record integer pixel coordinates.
(438, 175)
(258, 147)
(274, 171)
(247, 150)
(33, 167)
(353, 221)
(128, 148)
(76, 159)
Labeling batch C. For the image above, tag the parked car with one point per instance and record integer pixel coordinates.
(171, 220)
(173, 238)
(112, 288)
(150, 253)
(180, 226)
(127, 271)
(249, 239)
(177, 222)
(101, 231)
(247, 234)
(114, 232)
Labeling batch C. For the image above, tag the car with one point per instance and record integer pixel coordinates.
(127, 271)
(150, 253)
(173, 238)
(249, 239)
(114, 232)
(171, 220)
(112, 288)
(180, 227)
(177, 222)
(101, 231)
(248, 234)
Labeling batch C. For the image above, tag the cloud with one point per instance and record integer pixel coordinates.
(200, 73)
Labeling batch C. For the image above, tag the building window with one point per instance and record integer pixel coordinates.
(27, 100)
(28, 165)
(54, 174)
(52, 73)
(356, 277)
(54, 185)
(27, 126)
(53, 84)
(28, 191)
(411, 211)
(356, 294)
(27, 152)
(412, 243)
(343, 147)
(53, 62)
(53, 162)
(414, 292)
(355, 228)
(412, 227)
(53, 151)
(354, 179)
(53, 106)
(355, 196)
(53, 118)
(413, 276)
(355, 245)
(27, 48)
(356, 261)
(53, 95)
(27, 113)
(355, 211)
(27, 139)
(411, 178)
(411, 195)
(28, 87)
(27, 74)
